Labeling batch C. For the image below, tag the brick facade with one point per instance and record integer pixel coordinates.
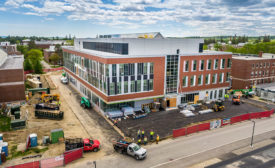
(204, 72)
(12, 93)
(11, 75)
(244, 72)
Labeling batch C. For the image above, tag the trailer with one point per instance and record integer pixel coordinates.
(49, 114)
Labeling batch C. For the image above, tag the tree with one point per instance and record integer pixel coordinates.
(205, 47)
(34, 54)
(27, 65)
(218, 47)
(32, 45)
(23, 50)
(38, 69)
(54, 58)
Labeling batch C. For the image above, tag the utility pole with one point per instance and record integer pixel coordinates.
(251, 145)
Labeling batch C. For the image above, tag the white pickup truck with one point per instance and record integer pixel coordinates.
(131, 149)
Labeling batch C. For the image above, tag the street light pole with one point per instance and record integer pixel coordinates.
(251, 145)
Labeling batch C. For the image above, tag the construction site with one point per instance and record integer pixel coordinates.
(60, 108)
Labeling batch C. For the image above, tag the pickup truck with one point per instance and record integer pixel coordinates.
(129, 148)
(86, 144)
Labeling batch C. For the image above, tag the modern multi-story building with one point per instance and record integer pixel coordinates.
(12, 86)
(113, 71)
(248, 71)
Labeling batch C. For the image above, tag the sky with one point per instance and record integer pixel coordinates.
(176, 18)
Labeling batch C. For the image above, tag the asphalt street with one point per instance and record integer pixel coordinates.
(185, 151)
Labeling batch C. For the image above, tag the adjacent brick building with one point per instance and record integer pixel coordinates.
(118, 70)
(248, 71)
(12, 86)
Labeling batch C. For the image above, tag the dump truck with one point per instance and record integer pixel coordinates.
(218, 106)
(129, 148)
(49, 114)
(236, 99)
(87, 144)
(85, 103)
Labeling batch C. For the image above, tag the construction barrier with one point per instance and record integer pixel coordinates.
(72, 155)
(27, 165)
(179, 132)
(45, 70)
(203, 127)
(191, 129)
(219, 123)
(52, 162)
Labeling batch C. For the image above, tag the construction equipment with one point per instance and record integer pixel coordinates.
(218, 106)
(129, 148)
(236, 99)
(46, 98)
(85, 103)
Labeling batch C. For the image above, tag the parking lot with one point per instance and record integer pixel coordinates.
(164, 122)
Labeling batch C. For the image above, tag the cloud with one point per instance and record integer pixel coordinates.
(2, 9)
(205, 17)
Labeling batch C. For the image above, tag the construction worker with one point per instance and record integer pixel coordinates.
(138, 134)
(152, 135)
(139, 141)
(145, 140)
(226, 96)
(115, 122)
(142, 133)
(157, 139)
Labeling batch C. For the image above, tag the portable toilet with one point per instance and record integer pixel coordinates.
(5, 148)
(33, 138)
(1, 136)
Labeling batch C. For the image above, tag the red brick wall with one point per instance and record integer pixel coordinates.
(47, 55)
(241, 72)
(14, 75)
(12, 93)
(203, 72)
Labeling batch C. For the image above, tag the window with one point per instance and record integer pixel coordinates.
(121, 70)
(140, 68)
(145, 68)
(220, 93)
(132, 69)
(138, 85)
(211, 95)
(172, 73)
(186, 66)
(207, 79)
(125, 86)
(216, 64)
(253, 65)
(209, 64)
(201, 47)
(194, 65)
(215, 94)
(227, 76)
(133, 86)
(222, 63)
(151, 84)
(145, 85)
(256, 73)
(257, 65)
(264, 64)
(112, 88)
(193, 80)
(229, 63)
(126, 69)
(200, 79)
(178, 51)
(118, 87)
(221, 78)
(202, 65)
(151, 68)
(185, 81)
(261, 65)
(118, 48)
(214, 78)
(260, 73)
(113, 69)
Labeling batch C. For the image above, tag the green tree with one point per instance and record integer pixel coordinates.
(218, 47)
(22, 49)
(38, 68)
(34, 54)
(205, 47)
(54, 58)
(32, 45)
(27, 65)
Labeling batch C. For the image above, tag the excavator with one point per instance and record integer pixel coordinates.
(48, 98)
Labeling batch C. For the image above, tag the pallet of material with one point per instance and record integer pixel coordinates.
(46, 114)
(47, 106)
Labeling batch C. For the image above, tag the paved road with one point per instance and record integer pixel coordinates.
(45, 64)
(185, 151)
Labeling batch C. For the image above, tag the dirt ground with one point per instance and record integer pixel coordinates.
(164, 122)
